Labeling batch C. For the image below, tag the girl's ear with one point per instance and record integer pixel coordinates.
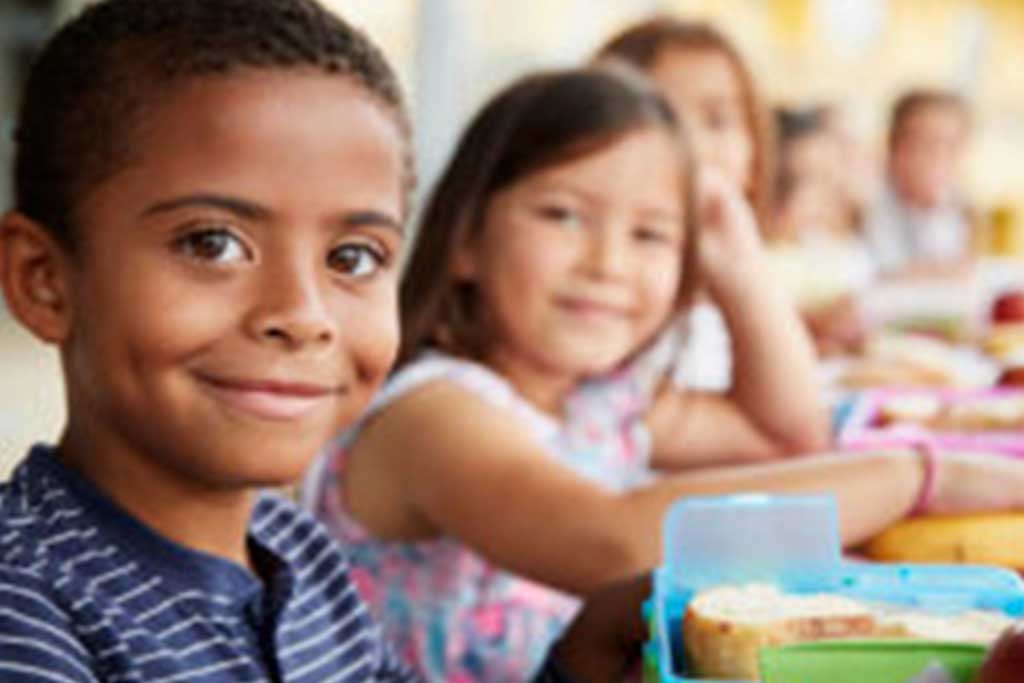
(35, 275)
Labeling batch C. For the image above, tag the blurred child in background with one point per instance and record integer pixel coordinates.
(712, 91)
(921, 225)
(819, 253)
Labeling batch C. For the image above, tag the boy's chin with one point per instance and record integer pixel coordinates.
(257, 464)
(260, 477)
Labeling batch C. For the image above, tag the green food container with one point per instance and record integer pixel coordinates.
(872, 661)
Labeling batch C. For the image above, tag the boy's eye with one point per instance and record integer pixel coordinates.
(216, 245)
(355, 260)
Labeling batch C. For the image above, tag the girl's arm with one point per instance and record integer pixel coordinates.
(441, 461)
(775, 407)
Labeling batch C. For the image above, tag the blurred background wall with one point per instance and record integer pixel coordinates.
(856, 54)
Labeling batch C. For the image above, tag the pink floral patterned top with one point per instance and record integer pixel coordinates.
(452, 614)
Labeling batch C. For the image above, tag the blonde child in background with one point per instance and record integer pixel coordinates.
(494, 480)
(712, 91)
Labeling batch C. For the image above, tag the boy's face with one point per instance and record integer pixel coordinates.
(234, 297)
(927, 155)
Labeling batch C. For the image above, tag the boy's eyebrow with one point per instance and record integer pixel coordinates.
(252, 211)
(370, 218)
(241, 207)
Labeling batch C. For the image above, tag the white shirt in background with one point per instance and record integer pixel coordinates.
(695, 352)
(900, 236)
(819, 269)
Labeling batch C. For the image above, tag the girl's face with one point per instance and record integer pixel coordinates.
(578, 265)
(234, 296)
(706, 94)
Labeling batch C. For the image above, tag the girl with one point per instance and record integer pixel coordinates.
(712, 91)
(495, 477)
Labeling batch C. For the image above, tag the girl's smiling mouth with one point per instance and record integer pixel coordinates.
(592, 308)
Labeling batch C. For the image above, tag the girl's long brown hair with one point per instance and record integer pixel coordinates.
(538, 122)
(641, 44)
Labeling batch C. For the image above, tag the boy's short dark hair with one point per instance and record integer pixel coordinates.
(89, 88)
(914, 100)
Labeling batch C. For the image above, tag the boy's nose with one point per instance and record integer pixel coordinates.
(292, 312)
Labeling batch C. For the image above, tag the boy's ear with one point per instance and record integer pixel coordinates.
(34, 274)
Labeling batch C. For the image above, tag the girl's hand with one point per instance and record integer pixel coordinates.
(978, 482)
(837, 328)
(729, 237)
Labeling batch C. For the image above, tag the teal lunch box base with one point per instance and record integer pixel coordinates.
(793, 542)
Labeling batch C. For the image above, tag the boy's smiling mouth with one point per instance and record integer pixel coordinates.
(270, 399)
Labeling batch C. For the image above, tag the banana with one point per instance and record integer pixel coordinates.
(993, 539)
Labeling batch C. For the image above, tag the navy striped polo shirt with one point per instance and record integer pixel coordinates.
(88, 593)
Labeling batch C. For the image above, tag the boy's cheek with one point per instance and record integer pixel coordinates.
(372, 342)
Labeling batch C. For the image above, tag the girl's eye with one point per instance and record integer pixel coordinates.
(651, 235)
(355, 260)
(215, 245)
(560, 214)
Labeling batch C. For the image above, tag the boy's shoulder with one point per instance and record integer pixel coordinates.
(289, 530)
(48, 536)
(301, 540)
(39, 524)
(42, 531)
(75, 580)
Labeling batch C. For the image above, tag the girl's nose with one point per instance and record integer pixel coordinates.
(606, 254)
